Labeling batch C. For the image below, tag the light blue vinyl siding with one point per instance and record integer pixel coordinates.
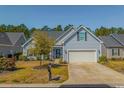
(90, 43)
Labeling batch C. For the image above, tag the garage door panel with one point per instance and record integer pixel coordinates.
(82, 56)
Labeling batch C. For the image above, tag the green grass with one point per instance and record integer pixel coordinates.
(26, 74)
(116, 65)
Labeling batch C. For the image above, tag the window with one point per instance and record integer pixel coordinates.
(81, 36)
(115, 52)
(58, 53)
(118, 52)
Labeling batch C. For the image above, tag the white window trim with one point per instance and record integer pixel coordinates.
(114, 52)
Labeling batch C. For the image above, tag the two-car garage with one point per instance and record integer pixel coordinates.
(82, 56)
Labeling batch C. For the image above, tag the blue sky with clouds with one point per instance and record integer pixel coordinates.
(38, 16)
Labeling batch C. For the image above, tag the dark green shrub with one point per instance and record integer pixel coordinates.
(103, 60)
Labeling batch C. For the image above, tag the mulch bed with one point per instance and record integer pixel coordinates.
(45, 66)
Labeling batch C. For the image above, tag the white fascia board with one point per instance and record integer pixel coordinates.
(66, 36)
(85, 30)
(64, 33)
(92, 34)
(27, 42)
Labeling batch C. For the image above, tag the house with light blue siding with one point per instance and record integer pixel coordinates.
(75, 45)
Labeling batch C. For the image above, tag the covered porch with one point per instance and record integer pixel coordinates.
(57, 52)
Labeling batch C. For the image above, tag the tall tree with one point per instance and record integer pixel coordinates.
(103, 31)
(43, 43)
(58, 28)
(45, 28)
(10, 28)
(32, 30)
(23, 28)
(120, 30)
(3, 28)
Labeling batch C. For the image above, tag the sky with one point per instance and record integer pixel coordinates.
(38, 16)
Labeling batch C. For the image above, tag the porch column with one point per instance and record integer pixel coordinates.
(63, 52)
(51, 55)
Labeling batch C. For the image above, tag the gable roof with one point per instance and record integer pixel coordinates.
(4, 39)
(65, 32)
(51, 34)
(9, 38)
(80, 27)
(119, 38)
(58, 35)
(109, 41)
(55, 34)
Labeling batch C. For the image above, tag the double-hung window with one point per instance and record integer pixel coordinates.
(115, 52)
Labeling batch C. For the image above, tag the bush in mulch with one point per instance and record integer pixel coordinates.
(7, 64)
(103, 60)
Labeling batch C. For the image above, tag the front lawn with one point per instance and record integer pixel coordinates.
(116, 65)
(27, 74)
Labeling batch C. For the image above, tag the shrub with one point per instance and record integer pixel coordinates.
(7, 64)
(23, 58)
(10, 64)
(61, 61)
(2, 64)
(103, 60)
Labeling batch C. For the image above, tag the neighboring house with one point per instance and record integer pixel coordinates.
(75, 45)
(113, 46)
(11, 43)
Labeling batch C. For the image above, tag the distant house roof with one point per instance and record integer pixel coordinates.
(9, 38)
(51, 34)
(4, 39)
(55, 34)
(110, 41)
(119, 38)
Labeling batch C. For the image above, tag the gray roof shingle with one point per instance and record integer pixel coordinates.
(9, 38)
(14, 36)
(119, 37)
(4, 39)
(109, 41)
(55, 34)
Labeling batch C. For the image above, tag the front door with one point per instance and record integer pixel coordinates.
(58, 53)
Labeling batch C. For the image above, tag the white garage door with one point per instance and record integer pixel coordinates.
(82, 56)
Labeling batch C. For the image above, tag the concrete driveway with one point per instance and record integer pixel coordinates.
(93, 73)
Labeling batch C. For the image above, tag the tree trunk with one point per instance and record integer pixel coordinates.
(41, 60)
